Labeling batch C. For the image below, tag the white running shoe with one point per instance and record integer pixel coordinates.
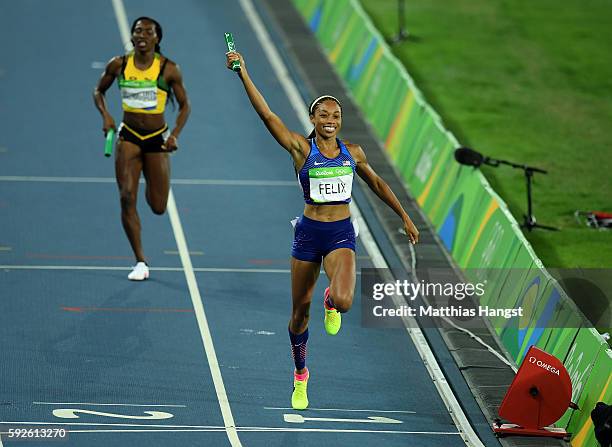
(139, 273)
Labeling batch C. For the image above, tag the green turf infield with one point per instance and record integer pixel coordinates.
(529, 82)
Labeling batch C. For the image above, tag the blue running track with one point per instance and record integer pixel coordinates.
(121, 363)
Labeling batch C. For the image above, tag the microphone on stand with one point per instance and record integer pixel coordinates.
(470, 157)
(467, 156)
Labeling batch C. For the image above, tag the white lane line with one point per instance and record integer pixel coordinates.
(191, 253)
(421, 344)
(475, 337)
(178, 181)
(222, 270)
(277, 64)
(23, 178)
(112, 405)
(344, 409)
(159, 269)
(152, 428)
(336, 430)
(154, 269)
(444, 390)
(196, 299)
(294, 418)
(266, 430)
(235, 182)
(102, 424)
(122, 23)
(73, 413)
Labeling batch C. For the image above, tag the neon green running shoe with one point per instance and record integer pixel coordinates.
(333, 318)
(299, 398)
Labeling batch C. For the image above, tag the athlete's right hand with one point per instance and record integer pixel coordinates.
(234, 56)
(108, 123)
(410, 230)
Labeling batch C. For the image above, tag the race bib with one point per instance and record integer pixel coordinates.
(330, 184)
(139, 94)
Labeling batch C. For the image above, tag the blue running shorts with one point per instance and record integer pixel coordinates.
(314, 240)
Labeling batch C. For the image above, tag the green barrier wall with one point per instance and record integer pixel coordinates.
(470, 218)
(598, 388)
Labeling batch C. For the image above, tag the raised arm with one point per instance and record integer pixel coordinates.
(106, 80)
(382, 190)
(293, 142)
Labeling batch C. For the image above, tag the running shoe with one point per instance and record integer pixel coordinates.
(140, 272)
(299, 398)
(333, 318)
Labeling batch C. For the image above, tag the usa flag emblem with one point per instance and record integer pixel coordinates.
(346, 163)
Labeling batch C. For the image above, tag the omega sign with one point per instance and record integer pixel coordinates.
(544, 365)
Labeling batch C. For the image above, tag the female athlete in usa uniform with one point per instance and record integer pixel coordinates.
(325, 166)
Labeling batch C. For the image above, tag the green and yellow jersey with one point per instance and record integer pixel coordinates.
(143, 91)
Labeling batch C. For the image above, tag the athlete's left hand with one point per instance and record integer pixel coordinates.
(171, 143)
(411, 230)
(232, 56)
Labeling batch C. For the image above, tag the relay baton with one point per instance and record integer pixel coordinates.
(231, 46)
(108, 146)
